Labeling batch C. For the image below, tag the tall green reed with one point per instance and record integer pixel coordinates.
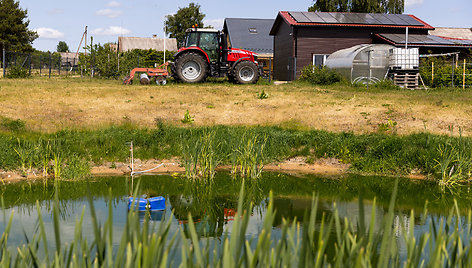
(200, 155)
(247, 157)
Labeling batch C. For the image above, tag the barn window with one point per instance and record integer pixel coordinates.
(319, 59)
(252, 30)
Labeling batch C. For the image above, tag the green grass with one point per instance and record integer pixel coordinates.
(319, 241)
(375, 153)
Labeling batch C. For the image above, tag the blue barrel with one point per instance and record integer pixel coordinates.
(153, 203)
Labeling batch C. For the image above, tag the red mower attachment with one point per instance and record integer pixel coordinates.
(160, 73)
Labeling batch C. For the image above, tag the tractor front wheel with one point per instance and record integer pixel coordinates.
(191, 68)
(246, 72)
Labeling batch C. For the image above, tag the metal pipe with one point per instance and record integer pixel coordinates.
(4, 61)
(406, 38)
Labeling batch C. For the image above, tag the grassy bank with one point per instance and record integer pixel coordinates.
(49, 105)
(70, 152)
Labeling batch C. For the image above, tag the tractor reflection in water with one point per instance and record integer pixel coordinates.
(208, 217)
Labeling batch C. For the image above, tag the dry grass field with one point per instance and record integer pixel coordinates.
(51, 104)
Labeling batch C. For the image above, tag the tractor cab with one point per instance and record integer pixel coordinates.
(206, 39)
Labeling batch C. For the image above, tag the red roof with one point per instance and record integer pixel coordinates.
(291, 21)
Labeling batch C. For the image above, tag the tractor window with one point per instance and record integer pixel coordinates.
(209, 43)
(192, 39)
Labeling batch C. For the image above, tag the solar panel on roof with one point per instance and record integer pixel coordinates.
(386, 19)
(354, 18)
(313, 17)
(299, 17)
(370, 19)
(398, 20)
(416, 40)
(342, 18)
(327, 18)
(411, 20)
(358, 18)
(441, 40)
(408, 20)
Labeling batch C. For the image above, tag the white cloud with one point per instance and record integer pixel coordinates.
(56, 11)
(110, 13)
(48, 33)
(112, 30)
(113, 4)
(409, 3)
(216, 23)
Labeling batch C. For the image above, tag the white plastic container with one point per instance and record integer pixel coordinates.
(404, 58)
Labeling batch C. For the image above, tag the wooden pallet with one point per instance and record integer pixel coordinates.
(406, 80)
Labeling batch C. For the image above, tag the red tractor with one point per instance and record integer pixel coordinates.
(206, 53)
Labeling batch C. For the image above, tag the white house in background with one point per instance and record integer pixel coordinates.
(453, 33)
(130, 43)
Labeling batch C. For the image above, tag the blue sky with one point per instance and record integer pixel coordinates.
(65, 20)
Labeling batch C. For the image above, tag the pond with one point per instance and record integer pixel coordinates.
(213, 206)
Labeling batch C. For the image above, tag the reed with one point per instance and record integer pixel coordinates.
(200, 155)
(247, 158)
(57, 166)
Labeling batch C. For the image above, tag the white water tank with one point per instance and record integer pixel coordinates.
(404, 58)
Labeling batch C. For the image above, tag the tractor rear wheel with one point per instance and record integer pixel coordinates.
(246, 72)
(191, 68)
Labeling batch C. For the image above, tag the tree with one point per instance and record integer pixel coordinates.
(185, 18)
(62, 47)
(361, 6)
(14, 32)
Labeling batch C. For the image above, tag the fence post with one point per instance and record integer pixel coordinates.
(4, 62)
(50, 63)
(40, 64)
(29, 62)
(463, 76)
(453, 65)
(60, 64)
(270, 69)
(432, 73)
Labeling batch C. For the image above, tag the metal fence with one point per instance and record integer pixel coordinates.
(449, 72)
(39, 64)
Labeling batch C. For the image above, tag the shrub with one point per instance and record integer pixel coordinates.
(320, 76)
(386, 84)
(17, 72)
(105, 60)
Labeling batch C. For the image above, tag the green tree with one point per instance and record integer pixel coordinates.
(330, 6)
(361, 6)
(185, 18)
(14, 32)
(62, 47)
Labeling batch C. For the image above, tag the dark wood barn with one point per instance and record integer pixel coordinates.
(304, 38)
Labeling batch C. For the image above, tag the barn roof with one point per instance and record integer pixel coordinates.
(453, 33)
(342, 19)
(130, 43)
(419, 40)
(250, 34)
